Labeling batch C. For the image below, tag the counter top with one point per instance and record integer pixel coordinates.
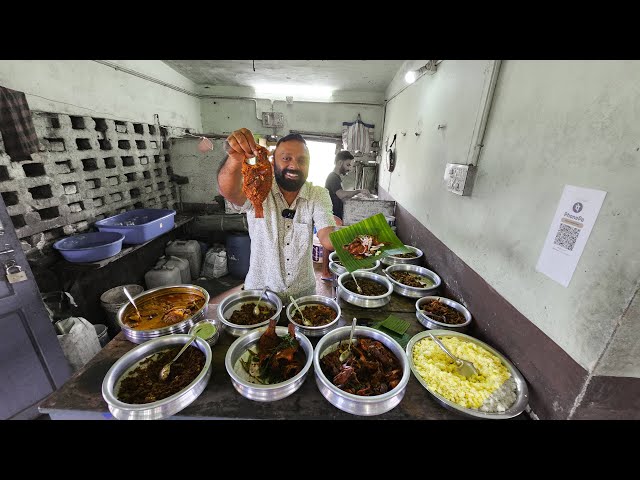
(81, 396)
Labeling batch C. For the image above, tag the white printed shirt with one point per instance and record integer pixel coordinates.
(281, 247)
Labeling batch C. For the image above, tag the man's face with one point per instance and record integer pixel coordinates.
(346, 167)
(291, 165)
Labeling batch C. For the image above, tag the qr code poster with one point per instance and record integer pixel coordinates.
(570, 229)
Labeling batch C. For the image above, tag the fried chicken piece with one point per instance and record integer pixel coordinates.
(257, 180)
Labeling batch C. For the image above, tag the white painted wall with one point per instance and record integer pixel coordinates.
(85, 87)
(552, 123)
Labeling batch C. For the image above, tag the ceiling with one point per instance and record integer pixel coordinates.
(356, 75)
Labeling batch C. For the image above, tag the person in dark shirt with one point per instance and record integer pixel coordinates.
(343, 165)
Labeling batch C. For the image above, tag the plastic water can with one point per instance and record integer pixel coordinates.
(190, 250)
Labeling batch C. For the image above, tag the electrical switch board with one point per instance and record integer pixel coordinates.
(273, 119)
(459, 178)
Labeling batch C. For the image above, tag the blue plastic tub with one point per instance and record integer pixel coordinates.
(139, 226)
(90, 247)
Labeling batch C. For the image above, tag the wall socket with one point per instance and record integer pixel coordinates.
(272, 119)
(459, 178)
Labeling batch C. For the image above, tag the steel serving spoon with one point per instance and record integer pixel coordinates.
(347, 353)
(164, 373)
(306, 322)
(356, 282)
(256, 310)
(126, 292)
(465, 368)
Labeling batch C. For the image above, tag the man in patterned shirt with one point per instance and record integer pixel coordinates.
(282, 241)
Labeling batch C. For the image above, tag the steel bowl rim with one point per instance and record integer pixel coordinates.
(370, 269)
(410, 247)
(235, 295)
(523, 391)
(457, 305)
(334, 304)
(361, 399)
(363, 274)
(164, 330)
(407, 267)
(257, 333)
(109, 394)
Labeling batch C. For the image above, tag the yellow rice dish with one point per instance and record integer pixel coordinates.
(439, 372)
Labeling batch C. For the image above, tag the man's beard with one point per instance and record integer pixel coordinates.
(289, 184)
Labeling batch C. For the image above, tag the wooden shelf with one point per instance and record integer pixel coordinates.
(179, 221)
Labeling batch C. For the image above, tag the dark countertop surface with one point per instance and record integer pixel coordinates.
(81, 396)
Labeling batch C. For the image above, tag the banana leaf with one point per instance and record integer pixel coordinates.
(376, 225)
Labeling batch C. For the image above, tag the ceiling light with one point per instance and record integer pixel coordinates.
(300, 92)
(412, 75)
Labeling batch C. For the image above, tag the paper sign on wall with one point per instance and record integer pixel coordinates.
(569, 232)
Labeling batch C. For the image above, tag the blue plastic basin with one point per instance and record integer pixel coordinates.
(140, 225)
(90, 247)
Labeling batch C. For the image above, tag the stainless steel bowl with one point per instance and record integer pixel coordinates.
(214, 338)
(522, 398)
(139, 336)
(265, 393)
(235, 301)
(391, 260)
(413, 292)
(357, 404)
(363, 300)
(339, 269)
(429, 322)
(162, 408)
(314, 300)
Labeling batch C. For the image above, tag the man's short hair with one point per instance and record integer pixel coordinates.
(291, 136)
(343, 155)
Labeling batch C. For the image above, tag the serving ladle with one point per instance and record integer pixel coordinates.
(164, 373)
(435, 316)
(256, 310)
(356, 282)
(347, 353)
(126, 292)
(465, 367)
(304, 320)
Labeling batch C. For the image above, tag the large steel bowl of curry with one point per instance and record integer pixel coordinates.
(163, 311)
(376, 289)
(235, 311)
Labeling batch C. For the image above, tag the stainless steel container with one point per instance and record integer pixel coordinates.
(314, 300)
(406, 290)
(338, 269)
(139, 336)
(235, 301)
(357, 404)
(391, 260)
(363, 300)
(522, 398)
(265, 393)
(429, 322)
(214, 338)
(162, 408)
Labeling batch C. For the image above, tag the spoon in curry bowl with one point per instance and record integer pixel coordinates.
(256, 310)
(356, 282)
(347, 353)
(164, 373)
(126, 292)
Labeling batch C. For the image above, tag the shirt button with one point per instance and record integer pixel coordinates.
(288, 274)
(287, 244)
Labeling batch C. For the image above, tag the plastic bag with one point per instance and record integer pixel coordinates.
(79, 340)
(215, 264)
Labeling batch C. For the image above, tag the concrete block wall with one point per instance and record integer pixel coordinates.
(87, 169)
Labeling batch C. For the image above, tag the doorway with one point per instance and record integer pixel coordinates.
(323, 154)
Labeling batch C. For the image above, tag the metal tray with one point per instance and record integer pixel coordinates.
(523, 392)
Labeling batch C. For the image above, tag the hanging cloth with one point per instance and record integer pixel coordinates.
(16, 125)
(357, 136)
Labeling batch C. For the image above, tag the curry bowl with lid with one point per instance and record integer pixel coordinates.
(378, 282)
(246, 300)
(253, 390)
(365, 405)
(164, 311)
(165, 407)
(310, 301)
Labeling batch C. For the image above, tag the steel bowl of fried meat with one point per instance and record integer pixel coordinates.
(236, 311)
(371, 380)
(269, 363)
(442, 313)
(376, 289)
(412, 258)
(412, 281)
(163, 311)
(320, 313)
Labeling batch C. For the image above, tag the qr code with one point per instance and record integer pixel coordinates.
(566, 236)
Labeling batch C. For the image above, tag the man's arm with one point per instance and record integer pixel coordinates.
(239, 146)
(323, 217)
(344, 194)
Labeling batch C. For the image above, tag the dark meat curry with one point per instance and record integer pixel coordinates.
(370, 288)
(143, 384)
(318, 315)
(405, 255)
(412, 279)
(451, 315)
(163, 310)
(372, 369)
(245, 315)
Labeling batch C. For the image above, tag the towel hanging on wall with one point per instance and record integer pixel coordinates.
(357, 136)
(18, 133)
